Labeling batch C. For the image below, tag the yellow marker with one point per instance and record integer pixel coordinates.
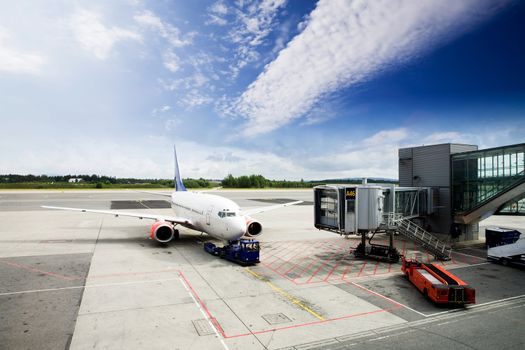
(286, 295)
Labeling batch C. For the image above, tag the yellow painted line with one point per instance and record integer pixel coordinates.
(286, 295)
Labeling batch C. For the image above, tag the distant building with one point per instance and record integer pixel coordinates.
(75, 179)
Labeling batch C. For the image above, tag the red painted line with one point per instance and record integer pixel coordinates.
(308, 257)
(225, 336)
(278, 258)
(346, 270)
(213, 320)
(283, 249)
(375, 268)
(274, 251)
(288, 261)
(324, 264)
(298, 250)
(278, 273)
(307, 267)
(312, 263)
(296, 264)
(332, 271)
(312, 323)
(377, 294)
(32, 269)
(362, 268)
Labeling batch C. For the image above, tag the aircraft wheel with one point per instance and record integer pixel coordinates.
(175, 235)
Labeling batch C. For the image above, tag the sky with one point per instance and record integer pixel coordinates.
(290, 90)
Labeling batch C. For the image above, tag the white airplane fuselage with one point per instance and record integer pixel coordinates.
(217, 216)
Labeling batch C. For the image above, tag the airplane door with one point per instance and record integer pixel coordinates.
(208, 215)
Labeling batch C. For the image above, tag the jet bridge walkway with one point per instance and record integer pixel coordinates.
(487, 182)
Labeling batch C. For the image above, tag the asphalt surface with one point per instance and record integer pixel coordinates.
(45, 318)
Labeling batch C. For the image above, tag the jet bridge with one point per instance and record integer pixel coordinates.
(349, 209)
(353, 209)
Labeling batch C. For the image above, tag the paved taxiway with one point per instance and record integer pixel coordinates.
(79, 280)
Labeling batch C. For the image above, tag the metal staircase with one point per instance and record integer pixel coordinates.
(428, 241)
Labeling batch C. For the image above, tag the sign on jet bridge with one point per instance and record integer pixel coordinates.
(350, 193)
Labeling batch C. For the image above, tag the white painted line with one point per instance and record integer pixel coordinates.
(380, 338)
(395, 302)
(497, 301)
(88, 286)
(204, 314)
(472, 256)
(516, 307)
(477, 306)
(462, 267)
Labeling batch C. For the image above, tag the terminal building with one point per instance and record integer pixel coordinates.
(468, 184)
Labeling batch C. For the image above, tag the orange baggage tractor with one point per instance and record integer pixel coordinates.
(438, 284)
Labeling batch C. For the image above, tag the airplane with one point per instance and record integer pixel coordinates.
(217, 216)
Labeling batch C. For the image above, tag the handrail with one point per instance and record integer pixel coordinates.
(414, 231)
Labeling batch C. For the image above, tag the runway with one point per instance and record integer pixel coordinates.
(77, 280)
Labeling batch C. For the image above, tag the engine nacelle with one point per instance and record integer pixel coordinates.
(162, 231)
(253, 227)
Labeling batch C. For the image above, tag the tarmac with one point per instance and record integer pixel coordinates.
(83, 281)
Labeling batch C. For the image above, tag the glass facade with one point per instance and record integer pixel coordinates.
(481, 175)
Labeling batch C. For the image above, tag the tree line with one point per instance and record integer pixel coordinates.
(259, 181)
(97, 181)
(92, 181)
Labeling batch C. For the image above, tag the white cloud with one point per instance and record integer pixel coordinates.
(251, 23)
(386, 136)
(15, 61)
(149, 156)
(171, 61)
(445, 137)
(194, 98)
(94, 36)
(216, 13)
(161, 110)
(167, 31)
(344, 43)
(219, 8)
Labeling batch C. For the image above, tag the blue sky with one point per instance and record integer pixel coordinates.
(286, 89)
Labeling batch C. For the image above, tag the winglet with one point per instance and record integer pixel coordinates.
(179, 185)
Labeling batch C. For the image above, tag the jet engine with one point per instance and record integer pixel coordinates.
(253, 227)
(163, 232)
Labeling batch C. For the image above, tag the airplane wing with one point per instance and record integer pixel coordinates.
(173, 219)
(155, 193)
(268, 208)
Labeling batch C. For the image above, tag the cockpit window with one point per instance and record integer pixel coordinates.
(223, 214)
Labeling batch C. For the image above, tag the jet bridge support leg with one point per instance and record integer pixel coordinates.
(375, 251)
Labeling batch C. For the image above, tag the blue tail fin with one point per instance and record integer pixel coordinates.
(179, 185)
